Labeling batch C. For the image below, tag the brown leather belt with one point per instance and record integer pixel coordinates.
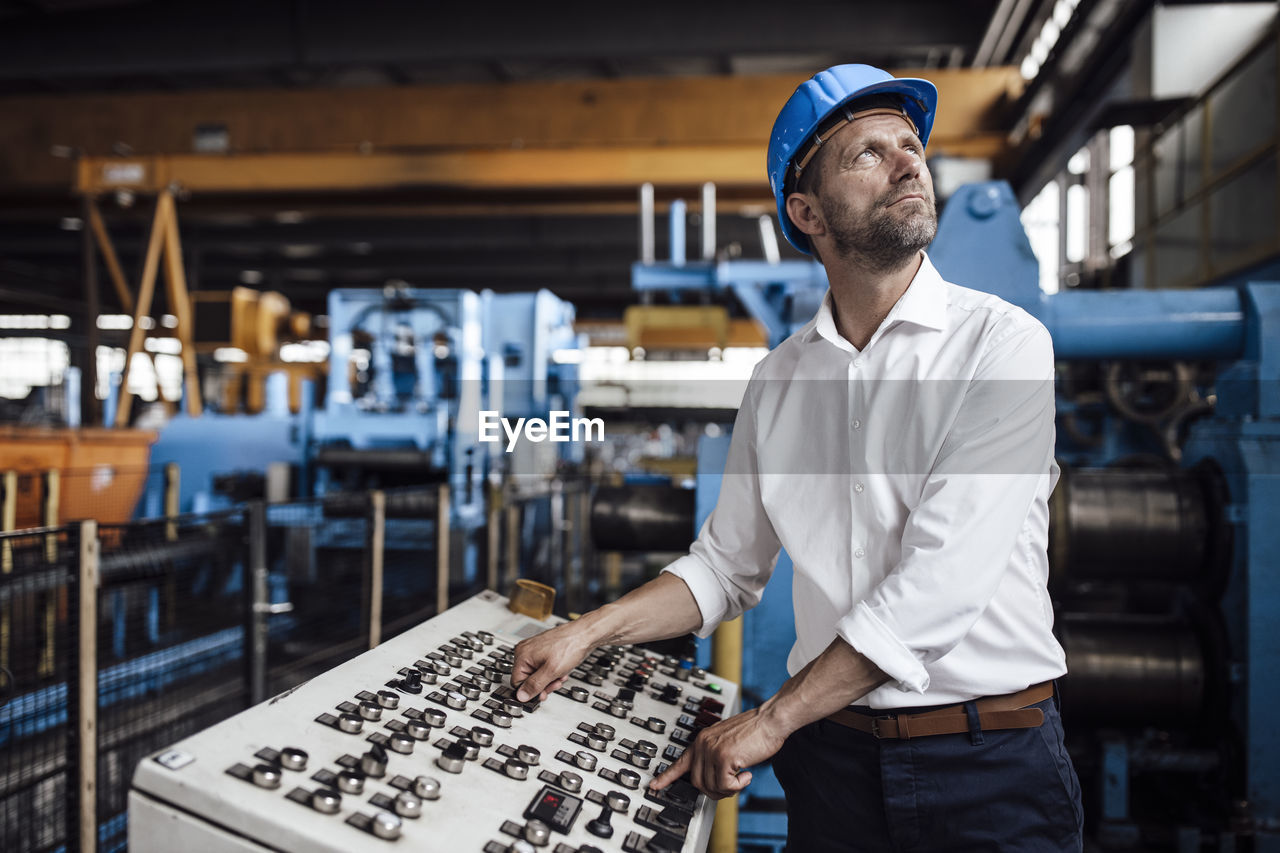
(994, 712)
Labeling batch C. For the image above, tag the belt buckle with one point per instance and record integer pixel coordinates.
(875, 726)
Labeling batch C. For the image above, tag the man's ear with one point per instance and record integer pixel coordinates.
(805, 215)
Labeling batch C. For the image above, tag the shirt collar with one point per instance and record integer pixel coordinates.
(924, 303)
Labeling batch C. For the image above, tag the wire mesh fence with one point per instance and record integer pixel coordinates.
(38, 671)
(171, 657)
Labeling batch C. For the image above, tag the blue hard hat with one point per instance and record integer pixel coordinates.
(817, 98)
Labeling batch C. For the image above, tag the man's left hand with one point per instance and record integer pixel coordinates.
(718, 758)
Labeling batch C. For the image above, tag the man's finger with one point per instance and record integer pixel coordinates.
(672, 773)
(531, 686)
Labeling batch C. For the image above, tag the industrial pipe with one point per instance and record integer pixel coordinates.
(1184, 324)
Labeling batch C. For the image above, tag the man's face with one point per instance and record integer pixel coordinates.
(876, 194)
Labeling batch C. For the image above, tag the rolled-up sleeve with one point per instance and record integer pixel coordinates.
(958, 538)
(733, 557)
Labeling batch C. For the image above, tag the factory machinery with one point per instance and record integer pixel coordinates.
(421, 744)
(1165, 553)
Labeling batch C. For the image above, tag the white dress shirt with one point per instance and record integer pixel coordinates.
(909, 483)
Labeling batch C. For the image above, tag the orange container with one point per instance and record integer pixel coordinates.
(103, 471)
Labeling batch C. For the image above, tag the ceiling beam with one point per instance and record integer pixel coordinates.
(674, 128)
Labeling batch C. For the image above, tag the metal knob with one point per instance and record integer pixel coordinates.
(326, 801)
(656, 724)
(515, 709)
(596, 742)
(482, 736)
(501, 719)
(606, 731)
(585, 760)
(639, 759)
(646, 747)
(370, 710)
(433, 717)
(388, 700)
(520, 846)
(350, 723)
(628, 778)
(537, 833)
(470, 749)
(427, 787)
(417, 729)
(452, 760)
(427, 676)
(351, 782)
(570, 781)
(292, 758)
(266, 776)
(386, 825)
(400, 742)
(442, 667)
(528, 754)
(452, 660)
(618, 801)
(455, 700)
(408, 805)
(595, 679)
(618, 709)
(516, 769)
(469, 690)
(486, 637)
(374, 762)
(503, 666)
(579, 694)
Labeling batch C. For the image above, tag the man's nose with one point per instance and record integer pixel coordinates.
(906, 165)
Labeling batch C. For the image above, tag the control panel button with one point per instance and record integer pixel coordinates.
(537, 833)
(433, 717)
(516, 769)
(570, 781)
(351, 782)
(618, 801)
(417, 729)
(386, 825)
(453, 759)
(374, 762)
(266, 776)
(628, 778)
(371, 711)
(350, 723)
(408, 804)
(326, 801)
(292, 758)
(528, 754)
(482, 736)
(501, 719)
(584, 760)
(400, 742)
(388, 699)
(426, 787)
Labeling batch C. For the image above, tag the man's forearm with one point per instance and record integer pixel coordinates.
(831, 681)
(662, 608)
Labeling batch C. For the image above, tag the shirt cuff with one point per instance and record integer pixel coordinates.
(710, 599)
(868, 635)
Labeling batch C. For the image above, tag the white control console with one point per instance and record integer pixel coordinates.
(421, 745)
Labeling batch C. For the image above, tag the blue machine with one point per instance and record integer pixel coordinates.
(1232, 444)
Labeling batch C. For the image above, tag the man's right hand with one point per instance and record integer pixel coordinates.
(543, 662)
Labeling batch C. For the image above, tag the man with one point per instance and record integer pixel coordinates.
(900, 447)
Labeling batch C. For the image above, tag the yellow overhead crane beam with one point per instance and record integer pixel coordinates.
(564, 135)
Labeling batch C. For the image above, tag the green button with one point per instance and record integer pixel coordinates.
(714, 688)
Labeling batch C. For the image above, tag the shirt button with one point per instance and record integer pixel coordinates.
(858, 487)
(859, 553)
(857, 424)
(857, 362)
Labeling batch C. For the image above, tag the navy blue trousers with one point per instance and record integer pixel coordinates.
(1012, 791)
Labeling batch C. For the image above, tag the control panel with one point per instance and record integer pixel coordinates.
(420, 744)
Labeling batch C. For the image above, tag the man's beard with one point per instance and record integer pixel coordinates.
(884, 239)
